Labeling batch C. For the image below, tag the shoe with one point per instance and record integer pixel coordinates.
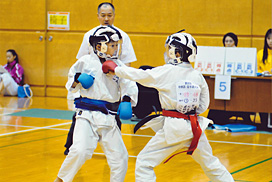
(66, 152)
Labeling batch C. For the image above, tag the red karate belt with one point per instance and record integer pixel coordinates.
(195, 129)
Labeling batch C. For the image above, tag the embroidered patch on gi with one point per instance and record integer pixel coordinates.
(187, 96)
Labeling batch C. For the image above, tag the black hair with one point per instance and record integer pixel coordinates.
(233, 36)
(13, 52)
(105, 3)
(265, 52)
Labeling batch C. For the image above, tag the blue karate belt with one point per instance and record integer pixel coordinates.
(98, 105)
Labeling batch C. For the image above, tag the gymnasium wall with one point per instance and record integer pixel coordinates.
(47, 55)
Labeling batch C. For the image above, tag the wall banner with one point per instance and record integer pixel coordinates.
(58, 20)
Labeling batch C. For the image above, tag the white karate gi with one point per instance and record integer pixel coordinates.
(173, 134)
(94, 126)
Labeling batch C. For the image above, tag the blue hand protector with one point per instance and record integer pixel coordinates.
(86, 80)
(124, 110)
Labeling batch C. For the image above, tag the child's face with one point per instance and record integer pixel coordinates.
(10, 57)
(172, 53)
(269, 41)
(112, 48)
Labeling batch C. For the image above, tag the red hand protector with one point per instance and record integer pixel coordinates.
(109, 66)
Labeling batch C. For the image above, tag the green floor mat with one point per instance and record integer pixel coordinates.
(45, 113)
(53, 114)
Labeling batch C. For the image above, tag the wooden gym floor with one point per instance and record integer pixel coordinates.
(33, 132)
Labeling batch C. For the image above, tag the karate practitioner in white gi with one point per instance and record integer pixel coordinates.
(106, 16)
(99, 94)
(183, 91)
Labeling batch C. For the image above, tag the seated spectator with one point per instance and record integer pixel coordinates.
(264, 64)
(10, 80)
(219, 116)
(230, 40)
(264, 56)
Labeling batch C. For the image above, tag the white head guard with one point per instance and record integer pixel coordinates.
(102, 36)
(182, 43)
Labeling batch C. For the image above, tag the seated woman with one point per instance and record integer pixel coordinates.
(264, 65)
(264, 56)
(219, 116)
(10, 80)
(230, 40)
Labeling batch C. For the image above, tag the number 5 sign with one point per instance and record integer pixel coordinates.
(222, 87)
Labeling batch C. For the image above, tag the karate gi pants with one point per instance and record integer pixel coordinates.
(158, 150)
(86, 136)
